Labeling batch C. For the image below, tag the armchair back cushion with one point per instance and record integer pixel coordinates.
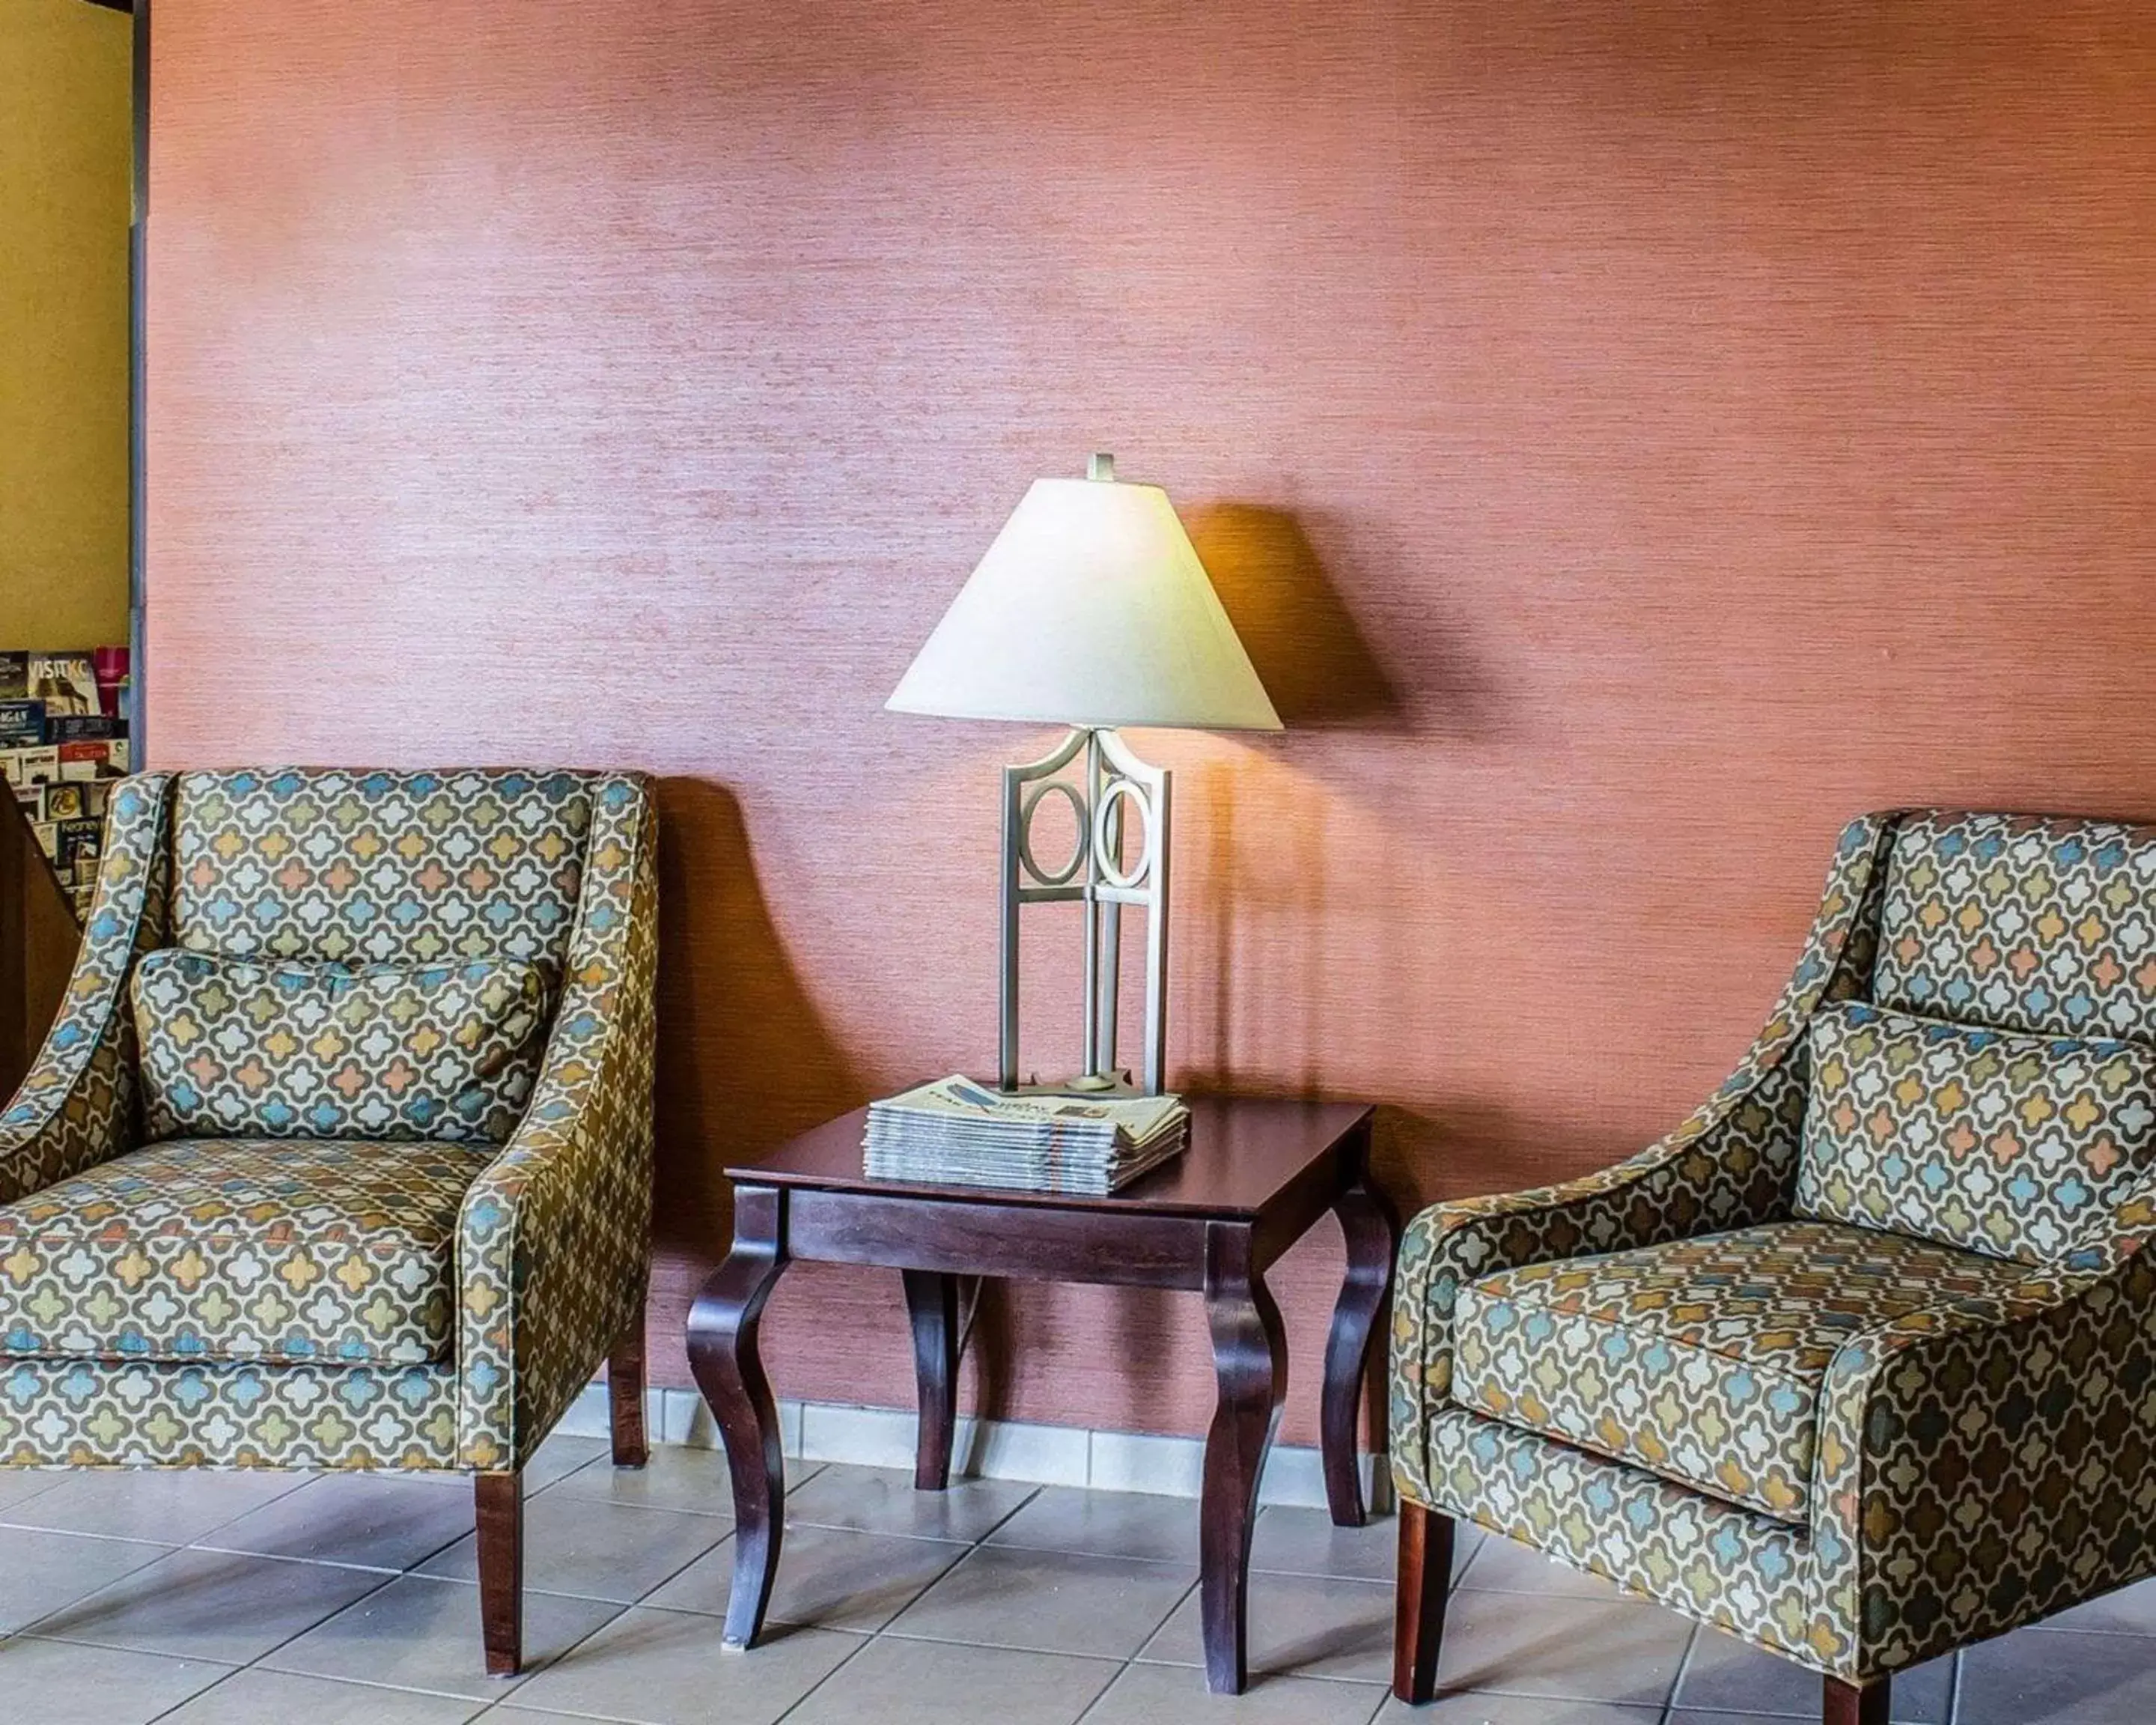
(382, 868)
(2022, 923)
(232, 1048)
(2019, 1146)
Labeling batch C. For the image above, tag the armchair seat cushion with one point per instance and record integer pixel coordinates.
(333, 1252)
(1701, 1360)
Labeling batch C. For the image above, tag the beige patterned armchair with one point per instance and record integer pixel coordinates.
(1859, 1364)
(339, 1154)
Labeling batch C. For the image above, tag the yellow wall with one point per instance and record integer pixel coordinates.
(65, 128)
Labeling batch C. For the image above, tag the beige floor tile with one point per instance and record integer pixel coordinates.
(207, 1604)
(894, 1683)
(2130, 1611)
(58, 1683)
(1049, 1601)
(170, 1507)
(1304, 1542)
(1508, 1567)
(1306, 1626)
(676, 1477)
(255, 1696)
(1724, 1675)
(668, 1668)
(1697, 1716)
(828, 1578)
(1693, 1716)
(1108, 1524)
(876, 1500)
(418, 1633)
(18, 1485)
(379, 1521)
(560, 1455)
(594, 1548)
(1175, 1695)
(2044, 1676)
(40, 1571)
(1561, 1647)
(1476, 1709)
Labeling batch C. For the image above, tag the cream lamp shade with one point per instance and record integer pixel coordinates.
(1090, 609)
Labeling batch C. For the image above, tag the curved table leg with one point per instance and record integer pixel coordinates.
(1372, 1232)
(1250, 1359)
(723, 1328)
(932, 1303)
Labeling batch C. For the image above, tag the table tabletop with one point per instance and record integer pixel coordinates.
(1244, 1152)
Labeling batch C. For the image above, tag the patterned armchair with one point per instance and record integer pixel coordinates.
(339, 1154)
(1856, 1363)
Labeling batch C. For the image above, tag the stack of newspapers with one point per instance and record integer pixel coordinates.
(956, 1133)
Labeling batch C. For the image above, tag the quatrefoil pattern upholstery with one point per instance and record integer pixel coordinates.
(2018, 1145)
(1701, 1360)
(1846, 1432)
(337, 1301)
(234, 1249)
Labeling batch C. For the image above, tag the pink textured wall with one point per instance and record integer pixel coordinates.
(1633, 436)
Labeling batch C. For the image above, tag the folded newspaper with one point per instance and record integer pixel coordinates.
(955, 1132)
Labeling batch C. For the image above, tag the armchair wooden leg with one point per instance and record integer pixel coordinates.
(499, 1499)
(1858, 1704)
(625, 1395)
(1424, 1582)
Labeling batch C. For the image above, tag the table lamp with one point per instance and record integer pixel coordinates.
(1091, 610)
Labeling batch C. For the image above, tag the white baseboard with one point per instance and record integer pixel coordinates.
(990, 1449)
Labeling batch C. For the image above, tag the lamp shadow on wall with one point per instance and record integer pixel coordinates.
(1265, 808)
(745, 1058)
(1310, 654)
(1276, 813)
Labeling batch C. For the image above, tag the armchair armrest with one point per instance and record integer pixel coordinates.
(553, 1245)
(1983, 1463)
(1731, 1164)
(75, 1106)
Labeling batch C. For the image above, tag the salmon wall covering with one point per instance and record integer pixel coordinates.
(1631, 437)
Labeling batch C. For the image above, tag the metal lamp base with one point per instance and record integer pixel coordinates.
(1092, 1081)
(1111, 782)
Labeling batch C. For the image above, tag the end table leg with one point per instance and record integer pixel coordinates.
(722, 1326)
(932, 1302)
(1367, 1222)
(1250, 1359)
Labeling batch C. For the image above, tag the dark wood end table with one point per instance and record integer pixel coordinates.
(1258, 1174)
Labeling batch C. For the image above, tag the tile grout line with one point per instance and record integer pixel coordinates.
(1693, 1654)
(1115, 1678)
(252, 1663)
(989, 1533)
(389, 1579)
(1677, 1682)
(873, 1635)
(189, 1700)
(979, 1543)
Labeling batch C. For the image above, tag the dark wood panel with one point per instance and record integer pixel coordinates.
(1633, 436)
(38, 939)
